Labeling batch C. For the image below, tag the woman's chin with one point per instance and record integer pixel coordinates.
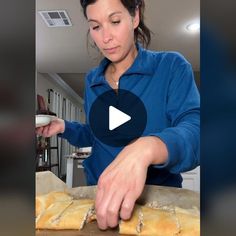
(113, 58)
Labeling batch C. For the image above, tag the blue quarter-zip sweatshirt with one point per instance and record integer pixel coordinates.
(165, 84)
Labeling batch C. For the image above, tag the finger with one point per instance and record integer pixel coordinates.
(100, 191)
(101, 203)
(101, 213)
(99, 196)
(128, 205)
(113, 209)
(46, 131)
(39, 130)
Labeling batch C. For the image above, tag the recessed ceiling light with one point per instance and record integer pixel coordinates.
(194, 27)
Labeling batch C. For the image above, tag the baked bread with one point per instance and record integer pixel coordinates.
(189, 222)
(134, 224)
(67, 215)
(163, 221)
(42, 202)
(51, 214)
(148, 221)
(59, 211)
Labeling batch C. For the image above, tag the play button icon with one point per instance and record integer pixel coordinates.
(116, 119)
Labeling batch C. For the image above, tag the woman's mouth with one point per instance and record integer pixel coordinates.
(111, 50)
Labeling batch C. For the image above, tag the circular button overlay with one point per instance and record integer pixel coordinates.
(117, 118)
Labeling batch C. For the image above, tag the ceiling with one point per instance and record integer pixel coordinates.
(64, 50)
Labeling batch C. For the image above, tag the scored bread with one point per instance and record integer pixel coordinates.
(134, 224)
(42, 202)
(159, 221)
(59, 211)
(47, 218)
(189, 222)
(148, 221)
(67, 215)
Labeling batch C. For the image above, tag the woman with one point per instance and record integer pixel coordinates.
(164, 82)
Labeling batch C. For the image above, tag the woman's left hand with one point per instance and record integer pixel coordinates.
(122, 182)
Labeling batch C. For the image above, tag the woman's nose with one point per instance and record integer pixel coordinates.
(107, 36)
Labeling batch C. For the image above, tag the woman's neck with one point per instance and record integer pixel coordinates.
(122, 66)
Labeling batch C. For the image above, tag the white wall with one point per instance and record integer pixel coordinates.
(45, 82)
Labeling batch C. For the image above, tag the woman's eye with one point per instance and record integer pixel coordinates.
(116, 22)
(95, 27)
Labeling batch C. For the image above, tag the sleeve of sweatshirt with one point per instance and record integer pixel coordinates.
(182, 138)
(77, 134)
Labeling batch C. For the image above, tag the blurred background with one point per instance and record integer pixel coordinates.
(19, 70)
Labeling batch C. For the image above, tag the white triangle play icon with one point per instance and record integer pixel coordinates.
(117, 118)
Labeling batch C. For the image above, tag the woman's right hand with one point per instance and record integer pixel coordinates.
(56, 126)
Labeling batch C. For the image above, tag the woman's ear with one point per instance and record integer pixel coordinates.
(136, 18)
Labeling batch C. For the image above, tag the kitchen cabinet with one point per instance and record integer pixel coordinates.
(191, 179)
(75, 176)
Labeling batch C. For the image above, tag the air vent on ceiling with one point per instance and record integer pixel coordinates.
(56, 18)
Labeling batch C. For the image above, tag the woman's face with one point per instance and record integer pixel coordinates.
(112, 28)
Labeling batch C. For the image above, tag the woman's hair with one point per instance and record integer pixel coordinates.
(142, 33)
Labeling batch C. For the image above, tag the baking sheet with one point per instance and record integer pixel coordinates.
(162, 196)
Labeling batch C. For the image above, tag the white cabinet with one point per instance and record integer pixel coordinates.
(75, 176)
(191, 179)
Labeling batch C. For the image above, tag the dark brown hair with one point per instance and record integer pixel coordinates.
(142, 33)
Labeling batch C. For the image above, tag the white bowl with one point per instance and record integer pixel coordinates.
(42, 120)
